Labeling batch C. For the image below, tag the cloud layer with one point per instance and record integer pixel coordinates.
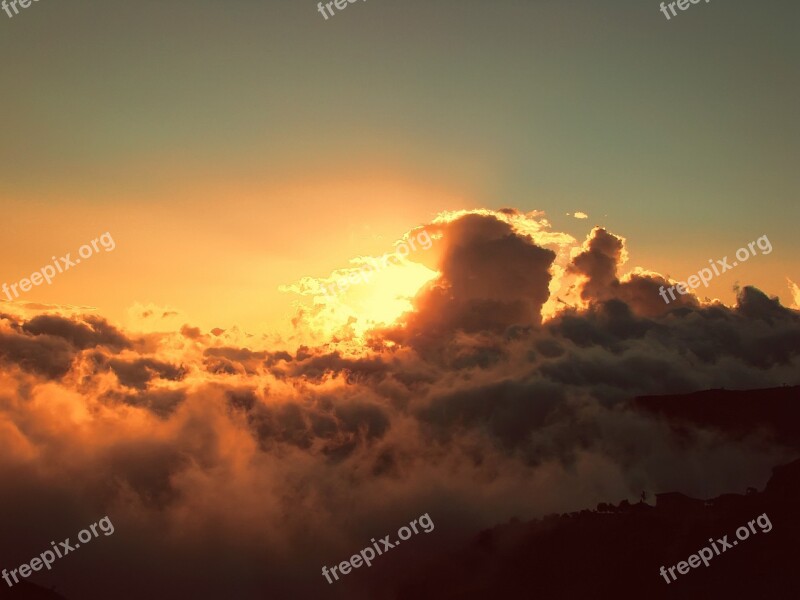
(243, 469)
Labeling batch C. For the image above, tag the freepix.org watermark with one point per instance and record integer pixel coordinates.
(367, 555)
(705, 275)
(705, 554)
(7, 5)
(682, 4)
(48, 557)
(363, 273)
(340, 4)
(48, 272)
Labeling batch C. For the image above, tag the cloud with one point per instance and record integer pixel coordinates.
(91, 332)
(795, 290)
(478, 405)
(472, 293)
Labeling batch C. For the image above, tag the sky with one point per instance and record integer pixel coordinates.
(408, 261)
(245, 145)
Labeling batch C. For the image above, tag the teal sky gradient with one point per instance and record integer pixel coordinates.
(681, 135)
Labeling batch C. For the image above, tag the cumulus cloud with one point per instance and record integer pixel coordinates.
(579, 215)
(795, 291)
(239, 469)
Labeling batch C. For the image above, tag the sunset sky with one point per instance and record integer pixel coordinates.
(241, 427)
(231, 148)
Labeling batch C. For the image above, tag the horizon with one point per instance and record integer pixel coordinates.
(287, 285)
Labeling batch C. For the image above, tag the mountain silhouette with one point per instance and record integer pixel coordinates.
(25, 590)
(617, 550)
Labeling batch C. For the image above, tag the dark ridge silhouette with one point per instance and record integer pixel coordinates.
(773, 411)
(617, 551)
(25, 590)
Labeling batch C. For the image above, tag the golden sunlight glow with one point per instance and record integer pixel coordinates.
(388, 295)
(349, 311)
(380, 301)
(371, 292)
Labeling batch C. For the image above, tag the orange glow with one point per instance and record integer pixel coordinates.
(388, 295)
(215, 267)
(379, 300)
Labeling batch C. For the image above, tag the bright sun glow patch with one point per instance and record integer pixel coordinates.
(371, 292)
(379, 300)
(388, 294)
(362, 302)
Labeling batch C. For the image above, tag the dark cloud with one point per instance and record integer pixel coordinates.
(46, 355)
(47, 344)
(491, 279)
(160, 402)
(598, 264)
(509, 411)
(316, 367)
(333, 428)
(90, 332)
(138, 373)
(193, 333)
